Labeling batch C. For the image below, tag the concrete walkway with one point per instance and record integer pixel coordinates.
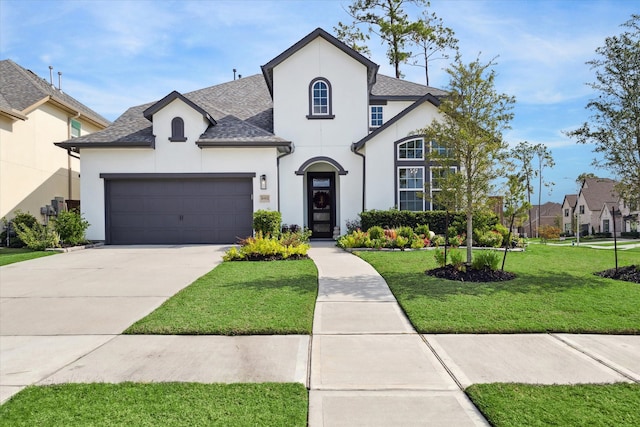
(61, 319)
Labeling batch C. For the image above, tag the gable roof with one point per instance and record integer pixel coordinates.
(571, 200)
(21, 91)
(426, 98)
(149, 112)
(597, 191)
(241, 112)
(267, 69)
(392, 89)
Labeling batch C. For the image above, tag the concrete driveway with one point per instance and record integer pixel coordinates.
(56, 309)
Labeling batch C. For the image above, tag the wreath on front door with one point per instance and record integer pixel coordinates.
(321, 199)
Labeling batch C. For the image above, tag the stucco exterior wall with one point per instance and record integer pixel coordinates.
(320, 137)
(172, 157)
(380, 154)
(33, 170)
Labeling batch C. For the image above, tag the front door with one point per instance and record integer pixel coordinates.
(321, 203)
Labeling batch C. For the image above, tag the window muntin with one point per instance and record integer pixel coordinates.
(605, 226)
(411, 188)
(320, 99)
(440, 150)
(376, 116)
(411, 150)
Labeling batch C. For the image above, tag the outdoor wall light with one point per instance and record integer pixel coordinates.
(263, 182)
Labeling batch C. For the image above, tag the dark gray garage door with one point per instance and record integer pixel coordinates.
(177, 211)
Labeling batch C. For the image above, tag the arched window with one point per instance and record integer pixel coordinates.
(320, 99)
(177, 130)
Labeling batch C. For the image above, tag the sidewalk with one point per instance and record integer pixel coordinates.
(368, 366)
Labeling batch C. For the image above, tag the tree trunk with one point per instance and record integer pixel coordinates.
(508, 243)
(469, 233)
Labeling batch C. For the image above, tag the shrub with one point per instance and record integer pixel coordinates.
(457, 259)
(485, 260)
(491, 239)
(38, 237)
(401, 242)
(353, 225)
(422, 230)
(631, 234)
(456, 241)
(357, 239)
(440, 257)
(438, 240)
(267, 222)
(261, 248)
(419, 243)
(548, 232)
(376, 232)
(11, 226)
(71, 227)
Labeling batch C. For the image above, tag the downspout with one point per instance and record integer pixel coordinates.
(278, 170)
(364, 169)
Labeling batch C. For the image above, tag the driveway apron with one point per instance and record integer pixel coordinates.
(54, 310)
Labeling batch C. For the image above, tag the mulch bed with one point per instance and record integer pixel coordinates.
(630, 273)
(449, 272)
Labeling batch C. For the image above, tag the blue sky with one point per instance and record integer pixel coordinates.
(119, 53)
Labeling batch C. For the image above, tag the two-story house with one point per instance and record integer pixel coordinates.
(33, 115)
(592, 208)
(319, 136)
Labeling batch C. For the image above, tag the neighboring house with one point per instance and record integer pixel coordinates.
(33, 115)
(320, 136)
(568, 208)
(545, 214)
(597, 195)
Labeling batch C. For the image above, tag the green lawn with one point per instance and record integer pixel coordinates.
(591, 405)
(155, 404)
(10, 255)
(240, 298)
(555, 291)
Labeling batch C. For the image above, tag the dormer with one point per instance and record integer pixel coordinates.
(177, 119)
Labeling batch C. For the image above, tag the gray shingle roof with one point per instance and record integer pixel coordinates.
(388, 88)
(21, 88)
(242, 108)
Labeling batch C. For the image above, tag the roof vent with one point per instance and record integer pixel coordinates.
(60, 81)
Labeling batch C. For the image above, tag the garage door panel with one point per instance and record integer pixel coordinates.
(173, 211)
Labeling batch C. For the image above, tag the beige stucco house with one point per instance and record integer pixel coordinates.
(33, 115)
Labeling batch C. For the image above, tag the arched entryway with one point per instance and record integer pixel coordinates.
(322, 194)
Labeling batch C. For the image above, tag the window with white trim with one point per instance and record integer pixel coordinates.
(320, 99)
(411, 188)
(411, 150)
(376, 116)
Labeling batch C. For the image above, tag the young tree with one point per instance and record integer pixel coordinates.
(545, 159)
(474, 115)
(385, 18)
(432, 38)
(515, 205)
(614, 125)
(523, 154)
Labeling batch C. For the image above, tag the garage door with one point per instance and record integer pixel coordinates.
(178, 210)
